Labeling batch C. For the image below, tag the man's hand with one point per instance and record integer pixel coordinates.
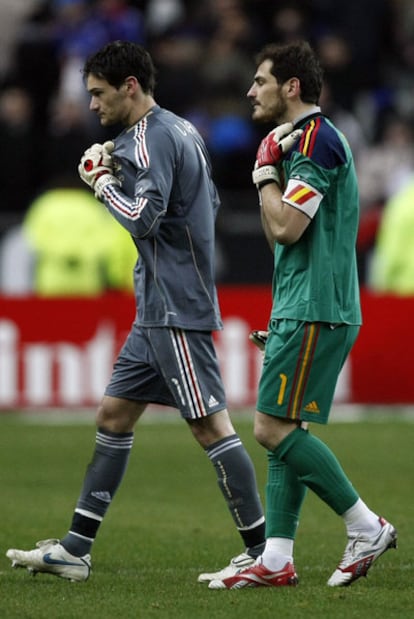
(96, 167)
(276, 144)
(271, 152)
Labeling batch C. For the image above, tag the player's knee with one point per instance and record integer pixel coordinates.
(117, 415)
(270, 431)
(260, 436)
(209, 430)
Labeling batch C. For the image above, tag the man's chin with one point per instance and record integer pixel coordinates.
(259, 117)
(105, 122)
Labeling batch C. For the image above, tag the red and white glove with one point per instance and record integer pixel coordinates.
(96, 167)
(271, 152)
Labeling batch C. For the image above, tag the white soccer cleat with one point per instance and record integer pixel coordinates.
(49, 556)
(235, 566)
(360, 553)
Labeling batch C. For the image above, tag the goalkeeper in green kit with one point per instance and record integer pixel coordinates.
(309, 207)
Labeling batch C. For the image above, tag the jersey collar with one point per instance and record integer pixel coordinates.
(312, 113)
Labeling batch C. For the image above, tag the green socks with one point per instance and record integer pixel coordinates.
(284, 497)
(315, 465)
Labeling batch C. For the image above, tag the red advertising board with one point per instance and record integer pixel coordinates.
(59, 352)
(382, 357)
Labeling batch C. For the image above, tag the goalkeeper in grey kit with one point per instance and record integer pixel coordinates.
(155, 179)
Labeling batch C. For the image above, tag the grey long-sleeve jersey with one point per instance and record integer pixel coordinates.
(168, 202)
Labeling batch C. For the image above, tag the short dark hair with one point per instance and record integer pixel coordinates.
(120, 59)
(295, 59)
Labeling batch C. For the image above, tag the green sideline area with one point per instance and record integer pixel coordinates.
(168, 522)
(342, 413)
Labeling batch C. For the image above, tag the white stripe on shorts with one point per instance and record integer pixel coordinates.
(188, 376)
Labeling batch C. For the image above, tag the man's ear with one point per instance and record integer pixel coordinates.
(293, 85)
(131, 84)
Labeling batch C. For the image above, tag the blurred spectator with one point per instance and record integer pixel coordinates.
(73, 28)
(162, 16)
(12, 14)
(339, 67)
(120, 20)
(204, 52)
(231, 21)
(398, 65)
(177, 55)
(225, 71)
(35, 63)
(79, 248)
(385, 166)
(291, 20)
(76, 33)
(392, 265)
(56, 38)
(345, 120)
(68, 134)
(230, 138)
(19, 153)
(365, 29)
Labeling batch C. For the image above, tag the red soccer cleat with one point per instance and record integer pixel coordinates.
(258, 576)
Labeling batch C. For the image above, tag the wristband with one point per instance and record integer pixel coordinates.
(265, 175)
(103, 181)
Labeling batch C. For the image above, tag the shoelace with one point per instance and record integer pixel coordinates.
(47, 542)
(351, 548)
(349, 552)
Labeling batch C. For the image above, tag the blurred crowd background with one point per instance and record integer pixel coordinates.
(56, 239)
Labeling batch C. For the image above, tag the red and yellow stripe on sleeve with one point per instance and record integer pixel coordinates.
(300, 194)
(308, 138)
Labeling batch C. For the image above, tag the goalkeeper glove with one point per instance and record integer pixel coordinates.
(259, 338)
(96, 167)
(271, 152)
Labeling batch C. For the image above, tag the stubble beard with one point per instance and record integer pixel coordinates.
(275, 114)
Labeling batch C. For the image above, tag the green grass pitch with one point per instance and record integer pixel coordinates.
(168, 522)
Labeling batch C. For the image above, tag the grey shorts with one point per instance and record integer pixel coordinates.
(172, 367)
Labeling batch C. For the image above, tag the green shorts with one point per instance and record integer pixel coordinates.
(301, 366)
